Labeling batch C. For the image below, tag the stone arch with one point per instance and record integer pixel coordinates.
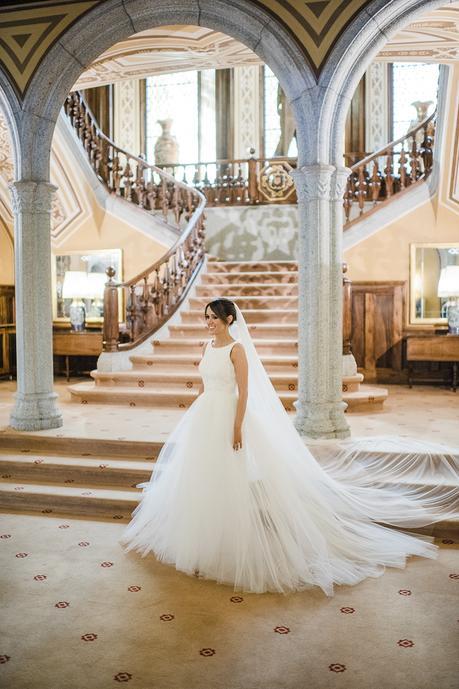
(10, 108)
(113, 21)
(355, 50)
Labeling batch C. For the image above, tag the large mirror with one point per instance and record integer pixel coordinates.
(78, 281)
(434, 278)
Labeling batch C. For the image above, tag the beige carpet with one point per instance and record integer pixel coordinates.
(79, 613)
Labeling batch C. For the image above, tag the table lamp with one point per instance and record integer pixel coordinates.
(76, 287)
(448, 287)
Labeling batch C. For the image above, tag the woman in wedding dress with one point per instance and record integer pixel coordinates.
(237, 497)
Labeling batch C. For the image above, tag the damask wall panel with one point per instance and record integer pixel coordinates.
(127, 115)
(253, 234)
(376, 106)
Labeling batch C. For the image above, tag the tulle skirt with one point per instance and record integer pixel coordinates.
(269, 517)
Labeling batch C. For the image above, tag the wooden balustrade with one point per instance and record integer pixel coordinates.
(151, 297)
(347, 311)
(379, 176)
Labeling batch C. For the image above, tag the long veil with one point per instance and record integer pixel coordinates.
(390, 480)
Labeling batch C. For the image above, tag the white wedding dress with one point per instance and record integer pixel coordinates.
(269, 517)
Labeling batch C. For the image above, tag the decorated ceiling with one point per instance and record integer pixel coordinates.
(29, 29)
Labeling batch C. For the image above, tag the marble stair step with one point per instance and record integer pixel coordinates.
(93, 502)
(190, 345)
(250, 266)
(178, 362)
(187, 379)
(78, 471)
(365, 399)
(59, 445)
(250, 302)
(256, 330)
(250, 316)
(228, 289)
(249, 277)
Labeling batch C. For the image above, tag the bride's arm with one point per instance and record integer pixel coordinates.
(201, 384)
(239, 359)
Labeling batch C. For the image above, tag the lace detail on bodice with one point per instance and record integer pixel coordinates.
(217, 369)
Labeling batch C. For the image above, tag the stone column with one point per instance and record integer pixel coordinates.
(35, 402)
(320, 408)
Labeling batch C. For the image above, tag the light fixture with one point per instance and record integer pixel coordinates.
(448, 288)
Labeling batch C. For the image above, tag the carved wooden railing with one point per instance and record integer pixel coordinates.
(390, 170)
(240, 182)
(374, 178)
(151, 297)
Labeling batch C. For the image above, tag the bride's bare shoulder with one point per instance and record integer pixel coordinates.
(237, 350)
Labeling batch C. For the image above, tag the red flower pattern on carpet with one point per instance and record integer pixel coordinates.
(337, 667)
(167, 617)
(62, 604)
(22, 554)
(40, 577)
(103, 466)
(405, 592)
(207, 652)
(447, 541)
(89, 637)
(122, 677)
(106, 564)
(118, 516)
(83, 544)
(19, 488)
(4, 659)
(64, 526)
(134, 589)
(5, 535)
(405, 643)
(38, 461)
(454, 576)
(236, 599)
(347, 611)
(282, 630)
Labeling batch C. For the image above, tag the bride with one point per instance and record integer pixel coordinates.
(236, 496)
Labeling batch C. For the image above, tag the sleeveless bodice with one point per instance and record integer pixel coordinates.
(217, 370)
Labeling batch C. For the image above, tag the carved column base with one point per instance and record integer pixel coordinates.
(315, 420)
(35, 412)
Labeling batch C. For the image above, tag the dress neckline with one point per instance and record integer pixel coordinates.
(223, 346)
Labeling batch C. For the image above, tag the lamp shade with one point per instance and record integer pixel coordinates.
(75, 285)
(96, 285)
(448, 284)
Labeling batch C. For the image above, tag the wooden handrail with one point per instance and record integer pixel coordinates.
(381, 175)
(152, 296)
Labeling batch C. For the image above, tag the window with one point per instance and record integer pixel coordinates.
(188, 99)
(411, 82)
(271, 119)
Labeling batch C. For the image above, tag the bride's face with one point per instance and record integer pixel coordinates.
(214, 324)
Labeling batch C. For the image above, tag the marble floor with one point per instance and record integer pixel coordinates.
(424, 412)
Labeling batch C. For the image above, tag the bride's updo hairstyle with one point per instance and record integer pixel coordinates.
(222, 308)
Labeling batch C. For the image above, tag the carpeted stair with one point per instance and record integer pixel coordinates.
(267, 294)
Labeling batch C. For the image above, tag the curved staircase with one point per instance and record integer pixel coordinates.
(267, 294)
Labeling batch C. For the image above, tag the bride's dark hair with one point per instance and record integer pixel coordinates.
(222, 308)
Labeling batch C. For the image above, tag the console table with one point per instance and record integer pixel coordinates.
(430, 348)
(70, 343)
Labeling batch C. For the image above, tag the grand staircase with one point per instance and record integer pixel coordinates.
(267, 294)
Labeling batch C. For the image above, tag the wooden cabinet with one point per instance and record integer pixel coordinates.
(76, 344)
(433, 348)
(7, 331)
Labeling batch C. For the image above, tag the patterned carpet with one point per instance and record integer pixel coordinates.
(79, 613)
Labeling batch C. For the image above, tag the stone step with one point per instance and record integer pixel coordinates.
(250, 302)
(76, 470)
(189, 379)
(249, 277)
(179, 362)
(128, 395)
(228, 290)
(182, 345)
(250, 266)
(50, 499)
(58, 445)
(250, 315)
(256, 330)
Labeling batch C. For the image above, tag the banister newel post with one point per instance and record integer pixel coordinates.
(111, 328)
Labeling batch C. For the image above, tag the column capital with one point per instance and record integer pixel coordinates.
(339, 183)
(313, 181)
(32, 197)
